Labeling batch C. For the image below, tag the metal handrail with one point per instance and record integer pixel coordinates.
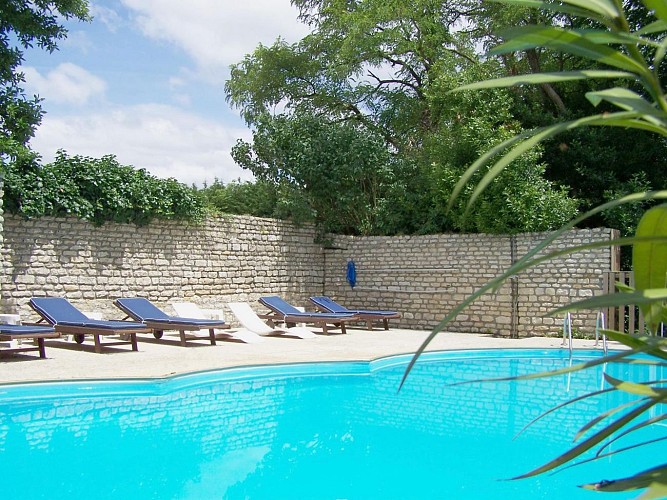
(567, 331)
(600, 325)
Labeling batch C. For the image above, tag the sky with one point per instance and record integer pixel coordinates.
(144, 81)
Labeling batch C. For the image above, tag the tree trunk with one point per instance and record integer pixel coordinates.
(547, 89)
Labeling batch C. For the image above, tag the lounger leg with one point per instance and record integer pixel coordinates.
(324, 329)
(386, 323)
(182, 332)
(342, 328)
(211, 334)
(42, 349)
(133, 341)
(369, 324)
(98, 344)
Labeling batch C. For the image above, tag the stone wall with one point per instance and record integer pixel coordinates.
(425, 277)
(224, 259)
(243, 258)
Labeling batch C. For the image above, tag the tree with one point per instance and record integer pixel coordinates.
(521, 199)
(257, 198)
(368, 62)
(617, 45)
(331, 173)
(23, 24)
(590, 162)
(380, 66)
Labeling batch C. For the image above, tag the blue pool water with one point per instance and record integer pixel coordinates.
(313, 431)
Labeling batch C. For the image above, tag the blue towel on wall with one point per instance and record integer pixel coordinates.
(351, 273)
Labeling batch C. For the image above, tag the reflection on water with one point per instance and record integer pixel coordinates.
(351, 435)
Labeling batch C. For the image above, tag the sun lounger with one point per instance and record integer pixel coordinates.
(68, 320)
(284, 312)
(26, 332)
(252, 322)
(143, 310)
(192, 310)
(324, 303)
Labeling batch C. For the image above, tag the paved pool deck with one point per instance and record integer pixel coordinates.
(67, 360)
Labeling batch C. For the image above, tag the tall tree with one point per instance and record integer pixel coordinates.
(367, 61)
(25, 23)
(385, 65)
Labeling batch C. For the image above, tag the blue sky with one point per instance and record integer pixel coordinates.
(144, 81)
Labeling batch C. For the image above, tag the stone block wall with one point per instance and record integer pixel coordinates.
(422, 276)
(243, 258)
(568, 279)
(222, 260)
(425, 277)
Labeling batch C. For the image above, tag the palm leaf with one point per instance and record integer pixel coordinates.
(659, 8)
(628, 100)
(621, 119)
(607, 8)
(654, 479)
(562, 405)
(625, 99)
(561, 371)
(649, 261)
(634, 428)
(655, 27)
(649, 344)
(538, 78)
(615, 37)
(594, 421)
(568, 41)
(587, 444)
(639, 297)
(599, 455)
(601, 11)
(660, 54)
(643, 389)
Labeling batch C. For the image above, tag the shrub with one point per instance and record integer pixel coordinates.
(97, 190)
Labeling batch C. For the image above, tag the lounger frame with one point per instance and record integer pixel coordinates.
(95, 328)
(37, 337)
(174, 323)
(368, 316)
(80, 331)
(321, 320)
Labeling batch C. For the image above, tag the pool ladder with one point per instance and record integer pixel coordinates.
(567, 332)
(599, 325)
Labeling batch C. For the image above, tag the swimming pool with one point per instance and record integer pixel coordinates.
(310, 431)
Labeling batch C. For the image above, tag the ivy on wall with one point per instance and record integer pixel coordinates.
(98, 190)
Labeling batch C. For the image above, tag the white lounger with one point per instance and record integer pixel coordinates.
(192, 310)
(249, 319)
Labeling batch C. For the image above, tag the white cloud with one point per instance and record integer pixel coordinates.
(217, 33)
(106, 16)
(67, 83)
(164, 140)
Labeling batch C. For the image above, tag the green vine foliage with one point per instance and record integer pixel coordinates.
(98, 190)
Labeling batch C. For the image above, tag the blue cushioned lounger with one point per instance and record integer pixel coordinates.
(327, 304)
(141, 309)
(287, 313)
(27, 332)
(68, 320)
